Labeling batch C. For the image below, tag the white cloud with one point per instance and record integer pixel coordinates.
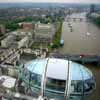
(63, 1)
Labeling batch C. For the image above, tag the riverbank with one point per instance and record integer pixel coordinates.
(95, 20)
(57, 37)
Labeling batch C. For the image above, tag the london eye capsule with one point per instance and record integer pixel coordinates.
(59, 79)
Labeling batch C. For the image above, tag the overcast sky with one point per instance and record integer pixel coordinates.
(62, 1)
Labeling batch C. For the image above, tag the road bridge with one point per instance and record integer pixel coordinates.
(82, 58)
(74, 19)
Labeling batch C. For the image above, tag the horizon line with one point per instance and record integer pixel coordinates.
(58, 2)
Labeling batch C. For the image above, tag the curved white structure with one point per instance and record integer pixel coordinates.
(59, 79)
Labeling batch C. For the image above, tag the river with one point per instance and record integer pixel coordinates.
(84, 39)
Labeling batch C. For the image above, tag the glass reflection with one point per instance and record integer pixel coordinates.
(56, 85)
(55, 88)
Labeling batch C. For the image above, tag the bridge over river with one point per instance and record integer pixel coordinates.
(84, 59)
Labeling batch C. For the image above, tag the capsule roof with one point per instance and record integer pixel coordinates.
(58, 69)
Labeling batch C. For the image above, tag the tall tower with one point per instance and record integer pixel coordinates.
(92, 8)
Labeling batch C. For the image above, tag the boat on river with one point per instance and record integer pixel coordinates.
(62, 42)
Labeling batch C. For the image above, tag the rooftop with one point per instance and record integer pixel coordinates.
(58, 69)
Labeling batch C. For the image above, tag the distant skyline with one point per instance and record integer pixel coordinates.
(51, 1)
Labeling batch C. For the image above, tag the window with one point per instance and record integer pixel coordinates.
(54, 84)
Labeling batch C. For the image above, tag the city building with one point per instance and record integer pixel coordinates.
(58, 79)
(44, 33)
(23, 42)
(6, 42)
(92, 8)
(16, 39)
(2, 29)
(27, 26)
(95, 15)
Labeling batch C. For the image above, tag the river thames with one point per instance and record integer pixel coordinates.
(82, 37)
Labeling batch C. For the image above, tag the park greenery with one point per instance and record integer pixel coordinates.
(56, 41)
(13, 24)
(95, 20)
